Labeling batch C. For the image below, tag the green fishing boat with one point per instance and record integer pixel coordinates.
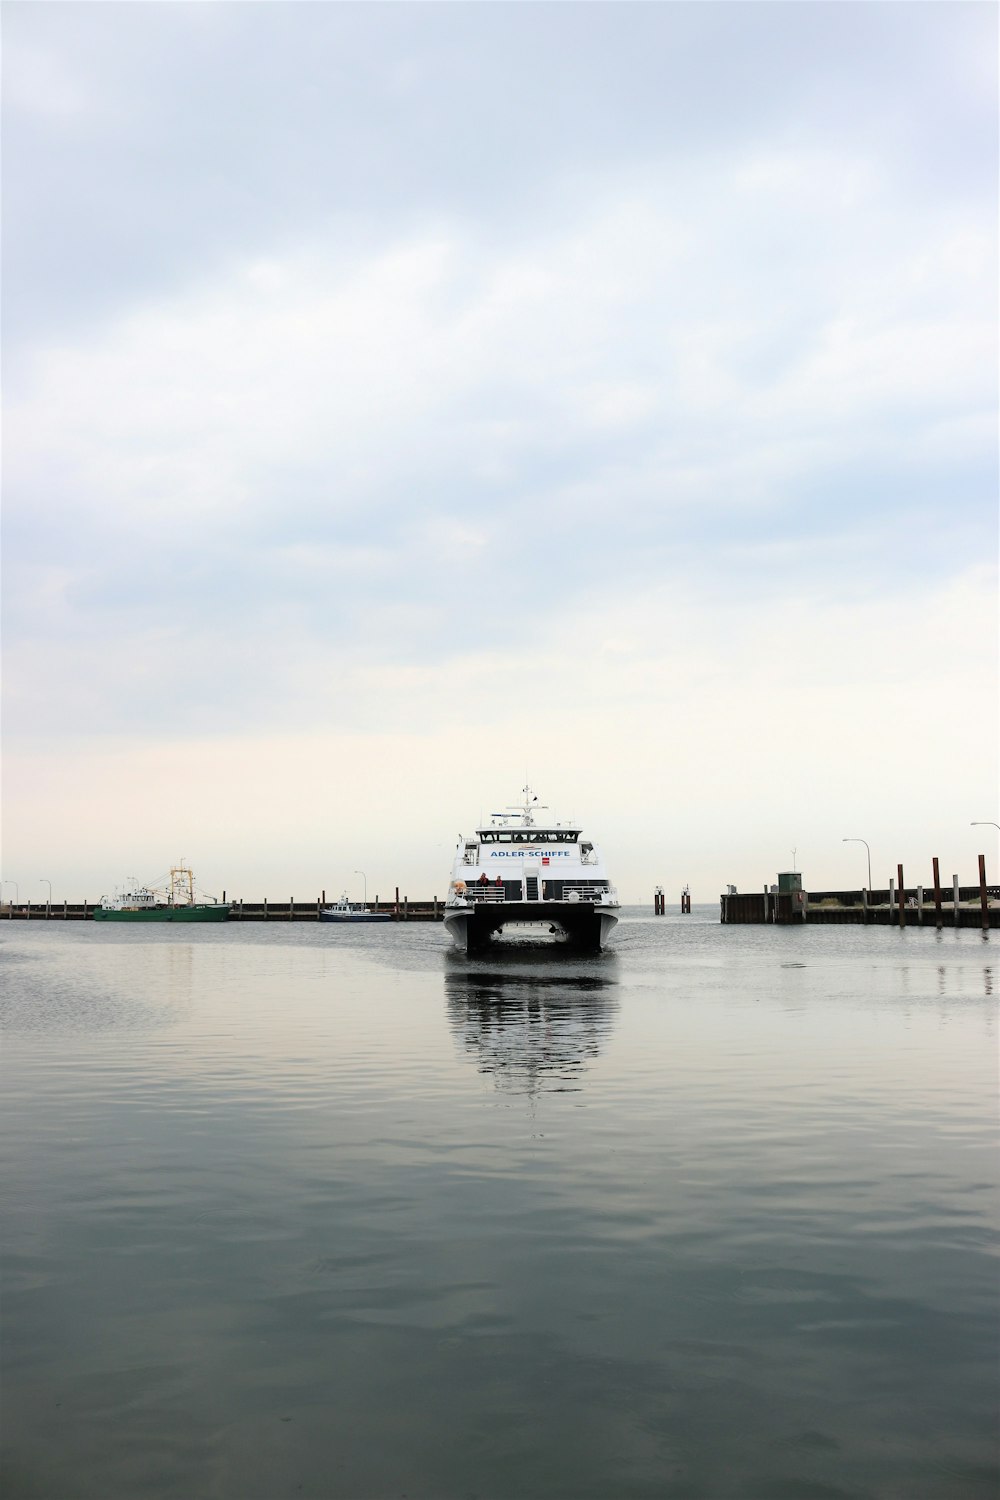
(173, 902)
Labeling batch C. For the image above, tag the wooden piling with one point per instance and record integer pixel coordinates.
(984, 899)
(937, 891)
(902, 897)
(291, 908)
(265, 908)
(397, 903)
(954, 900)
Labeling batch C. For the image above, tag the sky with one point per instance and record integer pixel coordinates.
(407, 403)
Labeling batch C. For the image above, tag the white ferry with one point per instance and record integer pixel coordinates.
(526, 871)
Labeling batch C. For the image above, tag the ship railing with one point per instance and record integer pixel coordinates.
(584, 893)
(485, 893)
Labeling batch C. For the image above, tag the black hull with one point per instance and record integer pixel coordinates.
(579, 926)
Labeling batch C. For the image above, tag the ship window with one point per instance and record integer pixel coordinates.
(529, 835)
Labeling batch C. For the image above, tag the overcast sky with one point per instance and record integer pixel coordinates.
(403, 400)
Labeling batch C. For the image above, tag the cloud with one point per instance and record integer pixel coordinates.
(413, 373)
(699, 743)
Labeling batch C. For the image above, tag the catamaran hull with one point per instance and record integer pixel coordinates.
(582, 926)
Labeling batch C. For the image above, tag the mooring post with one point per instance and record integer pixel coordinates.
(984, 900)
(397, 903)
(902, 897)
(406, 908)
(920, 906)
(892, 899)
(241, 908)
(65, 910)
(265, 908)
(291, 908)
(937, 891)
(954, 900)
(864, 903)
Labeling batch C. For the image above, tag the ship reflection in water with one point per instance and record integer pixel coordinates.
(533, 1023)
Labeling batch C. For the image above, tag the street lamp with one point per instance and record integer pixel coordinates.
(17, 893)
(984, 825)
(865, 842)
(42, 881)
(364, 877)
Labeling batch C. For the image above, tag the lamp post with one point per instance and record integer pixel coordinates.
(984, 825)
(48, 905)
(865, 842)
(17, 893)
(364, 877)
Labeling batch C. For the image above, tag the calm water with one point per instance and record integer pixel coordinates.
(321, 1213)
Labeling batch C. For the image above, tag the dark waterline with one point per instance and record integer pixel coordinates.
(341, 1213)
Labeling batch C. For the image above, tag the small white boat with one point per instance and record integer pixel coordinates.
(347, 911)
(525, 870)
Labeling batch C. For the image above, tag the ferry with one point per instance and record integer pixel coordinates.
(173, 903)
(526, 872)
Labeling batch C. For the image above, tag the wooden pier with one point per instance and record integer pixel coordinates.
(966, 906)
(239, 911)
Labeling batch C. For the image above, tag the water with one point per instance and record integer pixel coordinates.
(337, 1213)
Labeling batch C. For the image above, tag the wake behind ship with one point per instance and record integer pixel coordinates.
(526, 872)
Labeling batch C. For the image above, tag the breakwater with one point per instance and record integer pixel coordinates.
(265, 910)
(918, 907)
